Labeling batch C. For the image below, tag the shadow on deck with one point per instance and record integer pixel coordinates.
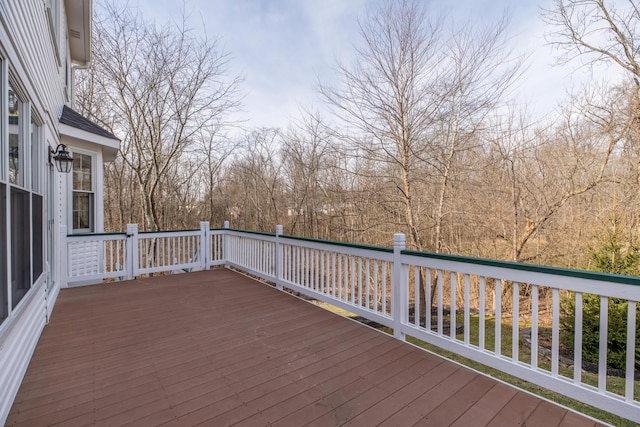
(217, 348)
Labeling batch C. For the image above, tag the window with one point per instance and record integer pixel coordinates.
(83, 193)
(21, 200)
(37, 204)
(38, 235)
(4, 289)
(20, 245)
(16, 143)
(36, 156)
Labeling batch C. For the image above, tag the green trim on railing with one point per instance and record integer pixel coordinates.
(96, 234)
(343, 244)
(167, 231)
(533, 268)
(308, 239)
(259, 233)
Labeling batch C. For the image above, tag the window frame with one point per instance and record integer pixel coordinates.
(22, 227)
(21, 244)
(92, 193)
(5, 280)
(36, 153)
(24, 114)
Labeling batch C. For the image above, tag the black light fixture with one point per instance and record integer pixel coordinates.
(64, 161)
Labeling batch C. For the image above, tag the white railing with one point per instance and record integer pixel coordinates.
(504, 315)
(512, 298)
(353, 277)
(94, 257)
(252, 252)
(159, 252)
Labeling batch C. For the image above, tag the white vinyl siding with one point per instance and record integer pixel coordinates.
(39, 66)
(34, 53)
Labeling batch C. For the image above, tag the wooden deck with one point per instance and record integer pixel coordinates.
(216, 348)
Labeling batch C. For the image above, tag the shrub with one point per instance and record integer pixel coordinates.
(613, 255)
(617, 331)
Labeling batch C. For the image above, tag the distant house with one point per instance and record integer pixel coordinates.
(41, 42)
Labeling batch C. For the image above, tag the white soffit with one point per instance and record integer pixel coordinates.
(79, 30)
(108, 146)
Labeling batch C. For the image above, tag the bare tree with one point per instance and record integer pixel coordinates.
(307, 155)
(213, 149)
(414, 100)
(596, 31)
(602, 33)
(543, 169)
(481, 72)
(387, 100)
(607, 33)
(164, 85)
(254, 181)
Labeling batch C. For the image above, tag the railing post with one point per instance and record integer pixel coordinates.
(205, 244)
(65, 258)
(132, 251)
(398, 287)
(225, 245)
(278, 257)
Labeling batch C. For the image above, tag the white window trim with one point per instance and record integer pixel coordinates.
(36, 160)
(94, 163)
(25, 111)
(9, 77)
(4, 112)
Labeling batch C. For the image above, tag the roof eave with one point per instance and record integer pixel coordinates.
(79, 30)
(108, 146)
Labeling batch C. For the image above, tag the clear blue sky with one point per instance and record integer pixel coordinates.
(283, 46)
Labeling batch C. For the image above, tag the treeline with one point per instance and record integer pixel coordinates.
(421, 138)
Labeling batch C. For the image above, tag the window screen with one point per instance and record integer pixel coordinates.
(4, 289)
(38, 236)
(20, 245)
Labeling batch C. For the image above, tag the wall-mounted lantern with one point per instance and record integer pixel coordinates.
(64, 161)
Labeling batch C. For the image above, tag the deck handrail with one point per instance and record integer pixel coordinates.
(471, 306)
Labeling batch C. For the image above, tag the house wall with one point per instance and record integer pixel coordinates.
(32, 53)
(38, 65)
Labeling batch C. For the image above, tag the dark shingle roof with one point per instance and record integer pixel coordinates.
(74, 119)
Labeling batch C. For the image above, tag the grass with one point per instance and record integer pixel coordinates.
(335, 309)
(614, 384)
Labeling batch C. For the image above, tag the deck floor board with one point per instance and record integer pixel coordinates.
(218, 348)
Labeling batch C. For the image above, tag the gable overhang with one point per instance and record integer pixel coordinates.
(74, 136)
(79, 30)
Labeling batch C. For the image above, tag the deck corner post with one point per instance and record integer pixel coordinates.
(278, 257)
(225, 245)
(205, 244)
(65, 253)
(132, 251)
(398, 287)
